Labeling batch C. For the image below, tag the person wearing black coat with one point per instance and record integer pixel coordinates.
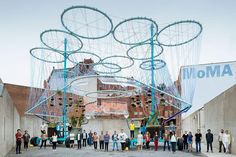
(209, 139)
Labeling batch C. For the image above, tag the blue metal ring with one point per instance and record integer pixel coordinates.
(46, 49)
(135, 46)
(118, 69)
(177, 23)
(117, 56)
(83, 52)
(89, 8)
(63, 32)
(134, 19)
(150, 67)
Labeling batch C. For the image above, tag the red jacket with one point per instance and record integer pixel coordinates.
(18, 136)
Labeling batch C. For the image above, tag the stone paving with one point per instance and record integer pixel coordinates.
(90, 152)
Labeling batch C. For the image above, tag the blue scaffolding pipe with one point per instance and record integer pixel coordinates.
(64, 90)
(152, 71)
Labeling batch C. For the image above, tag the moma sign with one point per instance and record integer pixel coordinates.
(208, 71)
(202, 83)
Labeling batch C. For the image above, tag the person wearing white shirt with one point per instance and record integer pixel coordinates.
(72, 139)
(173, 141)
(140, 141)
(54, 141)
(220, 137)
(122, 138)
(79, 137)
(84, 137)
(226, 140)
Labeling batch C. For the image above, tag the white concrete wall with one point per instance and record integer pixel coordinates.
(32, 124)
(220, 114)
(217, 114)
(10, 121)
(110, 125)
(7, 129)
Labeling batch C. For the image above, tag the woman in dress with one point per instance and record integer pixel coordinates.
(140, 141)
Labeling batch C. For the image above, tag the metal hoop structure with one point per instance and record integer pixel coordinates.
(106, 65)
(158, 64)
(74, 59)
(174, 28)
(141, 23)
(54, 39)
(115, 60)
(86, 21)
(108, 94)
(145, 47)
(47, 52)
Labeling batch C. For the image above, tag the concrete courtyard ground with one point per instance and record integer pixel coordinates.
(90, 152)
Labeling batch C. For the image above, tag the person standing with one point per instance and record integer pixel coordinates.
(220, 139)
(114, 141)
(147, 140)
(101, 140)
(131, 128)
(190, 141)
(140, 141)
(185, 136)
(226, 140)
(156, 138)
(54, 141)
(90, 138)
(95, 140)
(43, 140)
(122, 138)
(106, 140)
(198, 137)
(166, 140)
(72, 139)
(84, 137)
(209, 140)
(26, 138)
(173, 141)
(79, 137)
(18, 141)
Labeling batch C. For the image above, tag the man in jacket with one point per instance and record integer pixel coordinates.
(209, 139)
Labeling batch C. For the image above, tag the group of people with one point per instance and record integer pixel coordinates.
(22, 137)
(92, 138)
(224, 139)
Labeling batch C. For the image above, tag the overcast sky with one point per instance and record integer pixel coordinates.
(22, 21)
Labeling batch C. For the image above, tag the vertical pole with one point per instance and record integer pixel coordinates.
(152, 70)
(64, 90)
